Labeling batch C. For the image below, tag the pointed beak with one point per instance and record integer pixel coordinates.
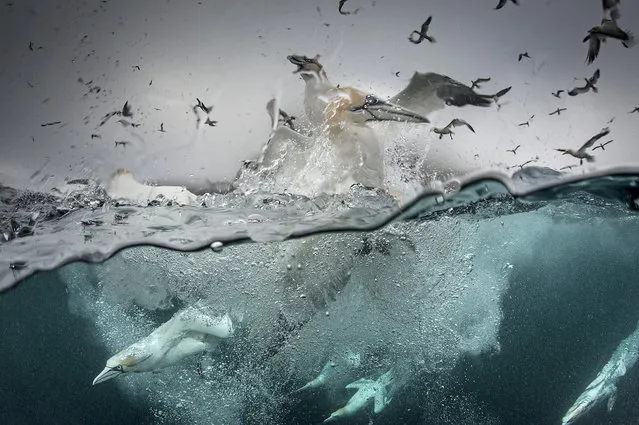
(375, 109)
(106, 374)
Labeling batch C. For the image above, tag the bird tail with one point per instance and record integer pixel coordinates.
(630, 42)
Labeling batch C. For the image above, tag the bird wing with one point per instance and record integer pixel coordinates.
(482, 80)
(420, 95)
(611, 29)
(426, 24)
(458, 122)
(359, 384)
(272, 108)
(595, 77)
(501, 4)
(578, 90)
(594, 138)
(593, 47)
(193, 319)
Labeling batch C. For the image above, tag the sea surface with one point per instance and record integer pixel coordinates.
(494, 299)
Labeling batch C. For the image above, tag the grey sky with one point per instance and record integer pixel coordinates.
(232, 55)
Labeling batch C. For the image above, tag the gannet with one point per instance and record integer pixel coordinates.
(590, 85)
(423, 86)
(320, 379)
(422, 34)
(449, 128)
(602, 145)
(581, 152)
(558, 93)
(636, 109)
(599, 33)
(527, 123)
(523, 55)
(476, 83)
(514, 151)
(367, 390)
(604, 386)
(502, 3)
(185, 334)
(557, 111)
(124, 112)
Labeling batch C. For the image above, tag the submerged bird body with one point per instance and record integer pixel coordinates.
(367, 390)
(185, 334)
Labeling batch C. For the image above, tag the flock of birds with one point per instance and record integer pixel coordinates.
(608, 29)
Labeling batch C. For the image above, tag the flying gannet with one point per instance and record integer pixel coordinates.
(449, 128)
(422, 34)
(599, 33)
(367, 390)
(581, 152)
(188, 332)
(590, 85)
(502, 3)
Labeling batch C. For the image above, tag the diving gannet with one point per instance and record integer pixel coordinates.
(557, 111)
(476, 83)
(558, 93)
(367, 390)
(423, 86)
(604, 386)
(185, 334)
(514, 151)
(523, 55)
(602, 145)
(581, 152)
(590, 85)
(422, 34)
(502, 3)
(611, 8)
(319, 379)
(599, 33)
(449, 128)
(124, 186)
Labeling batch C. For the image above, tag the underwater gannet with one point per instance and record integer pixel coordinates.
(599, 33)
(449, 128)
(581, 152)
(502, 3)
(422, 34)
(477, 83)
(185, 334)
(319, 379)
(558, 93)
(590, 85)
(367, 390)
(604, 386)
(523, 55)
(557, 111)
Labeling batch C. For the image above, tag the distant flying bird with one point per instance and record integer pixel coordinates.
(523, 55)
(502, 3)
(397, 74)
(525, 163)
(202, 106)
(476, 83)
(341, 5)
(96, 136)
(121, 143)
(611, 8)
(287, 119)
(514, 151)
(568, 167)
(136, 67)
(557, 111)
(47, 124)
(31, 46)
(449, 128)
(210, 122)
(162, 128)
(607, 29)
(601, 145)
(126, 110)
(422, 34)
(581, 152)
(590, 85)
(558, 93)
(527, 123)
(634, 110)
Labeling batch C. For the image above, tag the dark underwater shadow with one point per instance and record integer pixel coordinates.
(568, 307)
(49, 359)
